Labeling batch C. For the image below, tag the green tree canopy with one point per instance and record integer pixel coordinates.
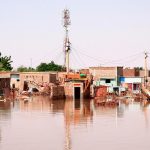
(5, 63)
(49, 67)
(138, 68)
(25, 69)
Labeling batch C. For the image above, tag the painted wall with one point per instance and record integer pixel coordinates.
(100, 74)
(113, 82)
(99, 82)
(132, 84)
(130, 80)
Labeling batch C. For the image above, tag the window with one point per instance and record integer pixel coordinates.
(107, 80)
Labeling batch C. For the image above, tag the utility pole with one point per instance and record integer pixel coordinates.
(66, 23)
(145, 64)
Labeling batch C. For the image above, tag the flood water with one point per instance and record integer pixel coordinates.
(44, 124)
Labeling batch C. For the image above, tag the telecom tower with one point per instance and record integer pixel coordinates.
(66, 48)
(145, 76)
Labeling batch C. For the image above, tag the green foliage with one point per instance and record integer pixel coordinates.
(42, 67)
(5, 63)
(25, 69)
(49, 67)
(138, 68)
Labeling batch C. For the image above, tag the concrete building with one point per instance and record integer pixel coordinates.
(128, 72)
(107, 76)
(131, 80)
(132, 84)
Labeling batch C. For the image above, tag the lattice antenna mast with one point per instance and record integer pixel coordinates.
(66, 23)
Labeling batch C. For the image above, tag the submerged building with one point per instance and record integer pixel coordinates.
(131, 80)
(107, 76)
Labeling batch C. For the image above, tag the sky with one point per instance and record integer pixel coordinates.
(102, 32)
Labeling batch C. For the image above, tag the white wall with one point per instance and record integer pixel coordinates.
(132, 80)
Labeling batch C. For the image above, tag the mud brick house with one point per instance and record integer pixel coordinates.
(4, 82)
(38, 78)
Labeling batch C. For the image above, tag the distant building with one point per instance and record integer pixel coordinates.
(107, 76)
(142, 73)
(128, 72)
(132, 84)
(84, 71)
(131, 80)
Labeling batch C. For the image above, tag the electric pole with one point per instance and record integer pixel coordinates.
(145, 74)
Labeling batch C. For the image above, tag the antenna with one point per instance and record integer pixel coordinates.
(66, 23)
(66, 18)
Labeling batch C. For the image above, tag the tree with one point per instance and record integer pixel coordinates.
(25, 69)
(49, 67)
(42, 67)
(138, 68)
(5, 63)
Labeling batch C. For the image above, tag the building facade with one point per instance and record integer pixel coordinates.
(107, 76)
(36, 79)
(132, 84)
(131, 80)
(4, 83)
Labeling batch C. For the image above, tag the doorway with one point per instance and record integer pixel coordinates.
(25, 87)
(77, 92)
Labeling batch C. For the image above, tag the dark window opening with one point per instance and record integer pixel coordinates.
(107, 80)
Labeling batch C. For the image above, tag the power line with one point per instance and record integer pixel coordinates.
(111, 61)
(81, 61)
(76, 60)
(81, 52)
(122, 59)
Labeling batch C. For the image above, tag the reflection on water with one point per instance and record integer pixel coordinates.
(45, 124)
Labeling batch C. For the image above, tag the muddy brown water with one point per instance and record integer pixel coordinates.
(44, 124)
